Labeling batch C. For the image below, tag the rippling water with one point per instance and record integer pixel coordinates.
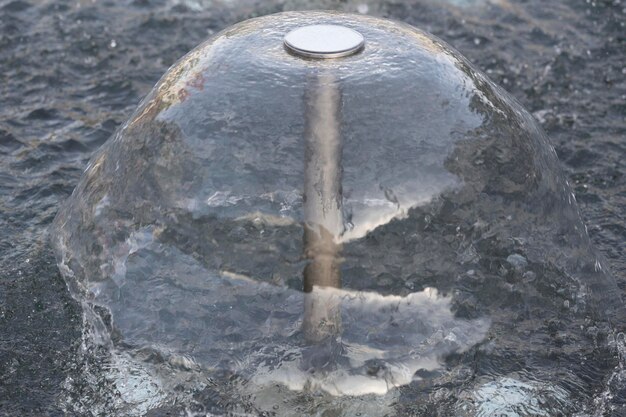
(71, 72)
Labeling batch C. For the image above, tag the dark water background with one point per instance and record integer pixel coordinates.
(71, 72)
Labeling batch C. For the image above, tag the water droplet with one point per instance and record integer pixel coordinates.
(517, 261)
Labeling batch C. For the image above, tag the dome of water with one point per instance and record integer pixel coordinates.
(385, 232)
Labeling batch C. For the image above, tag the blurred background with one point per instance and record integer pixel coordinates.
(72, 71)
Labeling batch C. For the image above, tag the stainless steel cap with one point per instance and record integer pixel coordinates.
(324, 41)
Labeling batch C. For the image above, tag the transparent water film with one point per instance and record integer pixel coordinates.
(382, 233)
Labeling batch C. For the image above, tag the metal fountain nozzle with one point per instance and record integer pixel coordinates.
(323, 217)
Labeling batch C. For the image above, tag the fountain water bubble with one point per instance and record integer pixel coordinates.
(345, 223)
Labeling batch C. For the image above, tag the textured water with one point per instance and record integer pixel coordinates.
(71, 72)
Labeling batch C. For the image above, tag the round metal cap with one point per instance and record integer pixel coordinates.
(324, 41)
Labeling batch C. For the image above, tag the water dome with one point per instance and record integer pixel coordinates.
(318, 212)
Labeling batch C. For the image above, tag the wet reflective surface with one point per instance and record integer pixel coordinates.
(118, 377)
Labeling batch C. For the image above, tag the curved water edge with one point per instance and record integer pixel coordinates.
(530, 269)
